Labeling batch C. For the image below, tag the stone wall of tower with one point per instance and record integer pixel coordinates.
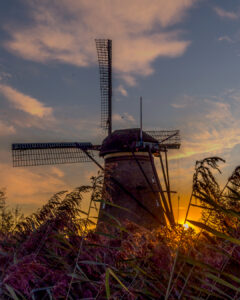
(124, 168)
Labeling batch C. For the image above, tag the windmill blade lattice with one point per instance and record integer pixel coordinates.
(35, 154)
(104, 51)
(169, 139)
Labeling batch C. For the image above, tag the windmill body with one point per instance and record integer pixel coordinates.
(132, 189)
(123, 159)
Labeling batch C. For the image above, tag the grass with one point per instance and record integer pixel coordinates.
(54, 253)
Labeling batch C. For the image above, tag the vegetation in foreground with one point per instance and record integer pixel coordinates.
(53, 254)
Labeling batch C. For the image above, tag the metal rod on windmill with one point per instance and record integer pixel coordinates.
(141, 135)
(109, 87)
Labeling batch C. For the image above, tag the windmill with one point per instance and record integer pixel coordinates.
(131, 180)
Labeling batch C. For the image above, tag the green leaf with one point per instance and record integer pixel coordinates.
(197, 263)
(222, 282)
(11, 292)
(118, 206)
(112, 217)
(107, 284)
(234, 278)
(203, 266)
(215, 232)
(108, 273)
(143, 272)
(105, 234)
(202, 290)
(118, 280)
(215, 288)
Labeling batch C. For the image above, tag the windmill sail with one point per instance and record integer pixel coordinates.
(35, 154)
(104, 51)
(169, 139)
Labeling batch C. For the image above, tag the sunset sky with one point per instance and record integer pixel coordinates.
(181, 56)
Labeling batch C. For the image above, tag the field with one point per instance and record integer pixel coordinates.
(56, 254)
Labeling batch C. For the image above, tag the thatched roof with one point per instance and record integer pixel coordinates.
(122, 140)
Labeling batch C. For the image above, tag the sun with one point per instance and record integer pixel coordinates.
(186, 226)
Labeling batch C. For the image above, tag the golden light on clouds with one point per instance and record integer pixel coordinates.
(25, 103)
(25, 183)
(6, 129)
(56, 37)
(59, 37)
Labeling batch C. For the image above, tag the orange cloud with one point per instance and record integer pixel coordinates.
(25, 185)
(122, 90)
(210, 126)
(6, 129)
(65, 31)
(25, 103)
(30, 188)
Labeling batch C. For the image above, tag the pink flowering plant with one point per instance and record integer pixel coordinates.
(56, 253)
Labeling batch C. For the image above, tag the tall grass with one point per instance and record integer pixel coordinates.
(56, 254)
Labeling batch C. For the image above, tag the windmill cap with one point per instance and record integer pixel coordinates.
(122, 140)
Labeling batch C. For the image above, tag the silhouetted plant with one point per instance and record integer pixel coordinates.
(9, 218)
(54, 253)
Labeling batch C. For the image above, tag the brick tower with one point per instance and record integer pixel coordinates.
(129, 180)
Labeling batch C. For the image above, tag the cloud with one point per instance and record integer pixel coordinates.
(6, 129)
(25, 103)
(25, 185)
(226, 14)
(210, 126)
(122, 90)
(184, 101)
(129, 79)
(226, 39)
(56, 171)
(30, 188)
(124, 118)
(4, 75)
(64, 31)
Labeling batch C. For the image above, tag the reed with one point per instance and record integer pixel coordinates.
(56, 254)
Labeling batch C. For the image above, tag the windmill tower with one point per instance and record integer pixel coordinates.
(131, 180)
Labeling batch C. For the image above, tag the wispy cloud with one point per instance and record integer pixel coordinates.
(120, 89)
(209, 126)
(6, 129)
(231, 15)
(4, 75)
(25, 102)
(65, 30)
(56, 171)
(226, 38)
(184, 101)
(125, 118)
(25, 185)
